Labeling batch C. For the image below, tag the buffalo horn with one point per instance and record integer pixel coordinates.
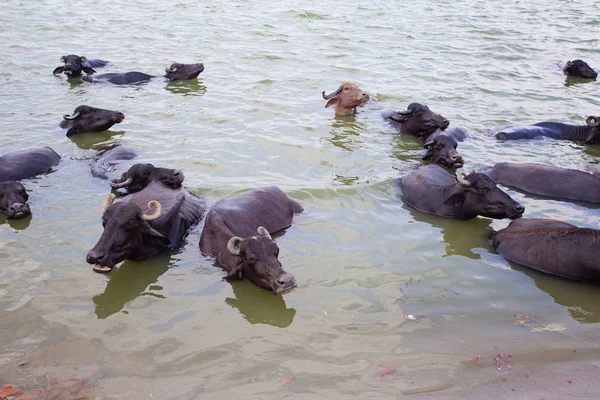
(71, 117)
(62, 59)
(332, 95)
(83, 58)
(461, 179)
(169, 70)
(263, 232)
(592, 121)
(157, 210)
(428, 145)
(108, 202)
(233, 245)
(117, 185)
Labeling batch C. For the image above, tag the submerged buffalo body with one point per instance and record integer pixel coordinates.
(133, 234)
(74, 65)
(589, 133)
(551, 246)
(13, 200)
(544, 180)
(105, 160)
(140, 175)
(90, 119)
(578, 69)
(176, 72)
(238, 233)
(27, 163)
(434, 190)
(417, 120)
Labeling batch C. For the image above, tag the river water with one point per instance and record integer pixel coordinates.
(170, 328)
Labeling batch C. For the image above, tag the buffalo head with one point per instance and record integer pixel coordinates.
(418, 120)
(593, 136)
(127, 234)
(73, 66)
(579, 69)
(183, 72)
(477, 194)
(140, 175)
(90, 119)
(442, 150)
(259, 263)
(346, 98)
(13, 200)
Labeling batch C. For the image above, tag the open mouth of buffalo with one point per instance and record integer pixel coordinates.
(102, 268)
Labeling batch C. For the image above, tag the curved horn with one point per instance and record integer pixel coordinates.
(71, 117)
(461, 179)
(169, 70)
(262, 231)
(592, 121)
(234, 245)
(83, 58)
(332, 95)
(117, 185)
(157, 210)
(62, 59)
(108, 202)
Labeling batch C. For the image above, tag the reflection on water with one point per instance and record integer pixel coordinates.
(406, 148)
(345, 132)
(16, 224)
(128, 282)
(192, 87)
(260, 306)
(89, 140)
(572, 80)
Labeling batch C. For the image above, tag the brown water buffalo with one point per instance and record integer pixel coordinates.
(551, 246)
(140, 175)
(588, 133)
(544, 180)
(238, 232)
(74, 65)
(90, 119)
(432, 189)
(346, 98)
(131, 233)
(27, 163)
(418, 120)
(176, 72)
(578, 69)
(13, 200)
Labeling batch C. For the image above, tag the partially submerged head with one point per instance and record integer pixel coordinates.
(258, 262)
(346, 98)
(73, 66)
(127, 234)
(418, 120)
(579, 69)
(594, 134)
(442, 150)
(183, 72)
(13, 200)
(140, 175)
(90, 119)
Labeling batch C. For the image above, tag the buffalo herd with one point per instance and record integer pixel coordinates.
(156, 212)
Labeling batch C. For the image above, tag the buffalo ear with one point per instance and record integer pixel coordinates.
(88, 70)
(427, 154)
(58, 70)
(233, 246)
(332, 101)
(455, 200)
(152, 237)
(428, 145)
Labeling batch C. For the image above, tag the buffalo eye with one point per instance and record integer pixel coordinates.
(251, 261)
(132, 223)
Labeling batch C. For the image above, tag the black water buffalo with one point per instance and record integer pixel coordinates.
(13, 200)
(578, 69)
(238, 231)
(90, 119)
(441, 149)
(22, 164)
(105, 160)
(74, 65)
(176, 72)
(589, 133)
(434, 190)
(133, 234)
(417, 120)
(544, 180)
(140, 175)
(551, 246)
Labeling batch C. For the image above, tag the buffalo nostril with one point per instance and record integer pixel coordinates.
(519, 208)
(286, 280)
(94, 256)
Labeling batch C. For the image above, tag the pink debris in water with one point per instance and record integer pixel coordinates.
(524, 316)
(570, 381)
(478, 358)
(510, 356)
(500, 366)
(509, 367)
(385, 370)
(447, 338)
(496, 359)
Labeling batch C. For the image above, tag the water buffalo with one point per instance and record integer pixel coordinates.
(417, 120)
(346, 98)
(441, 149)
(544, 180)
(578, 69)
(74, 65)
(140, 175)
(238, 233)
(434, 190)
(27, 163)
(105, 160)
(551, 246)
(589, 133)
(13, 200)
(90, 119)
(133, 234)
(176, 72)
